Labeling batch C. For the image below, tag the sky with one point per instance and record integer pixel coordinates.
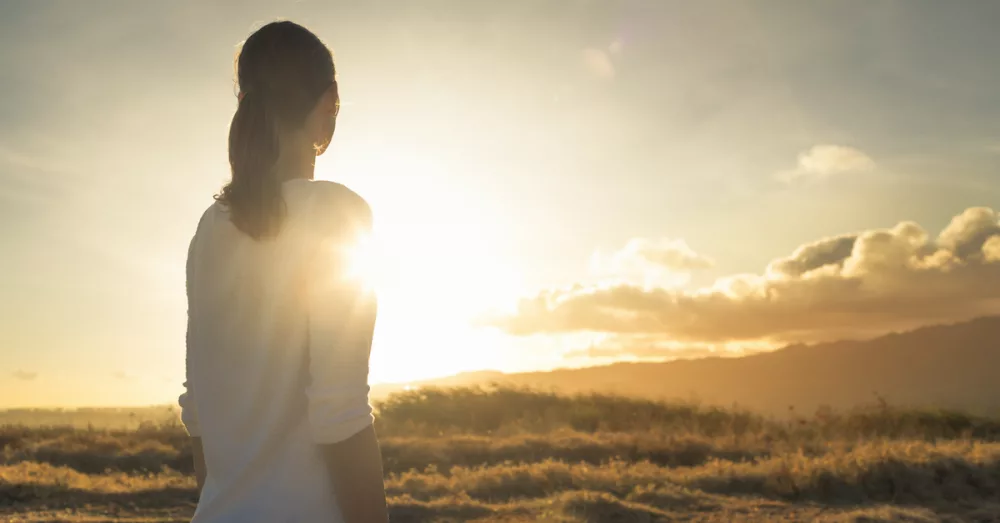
(554, 183)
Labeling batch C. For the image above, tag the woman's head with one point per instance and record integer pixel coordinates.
(287, 110)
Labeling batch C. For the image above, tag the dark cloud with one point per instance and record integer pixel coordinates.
(24, 375)
(812, 256)
(891, 278)
(967, 236)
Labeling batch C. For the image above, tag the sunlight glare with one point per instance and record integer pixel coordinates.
(435, 263)
(362, 262)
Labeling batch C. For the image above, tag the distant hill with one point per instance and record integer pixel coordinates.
(947, 366)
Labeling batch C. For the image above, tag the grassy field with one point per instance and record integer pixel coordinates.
(517, 455)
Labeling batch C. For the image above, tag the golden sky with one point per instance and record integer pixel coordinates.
(554, 183)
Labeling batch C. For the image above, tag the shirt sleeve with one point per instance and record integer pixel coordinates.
(342, 311)
(186, 401)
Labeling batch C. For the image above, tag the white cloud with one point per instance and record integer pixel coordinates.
(824, 161)
(662, 261)
(864, 283)
(668, 253)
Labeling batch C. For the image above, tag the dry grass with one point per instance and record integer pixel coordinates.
(516, 455)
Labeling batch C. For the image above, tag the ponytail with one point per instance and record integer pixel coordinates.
(254, 194)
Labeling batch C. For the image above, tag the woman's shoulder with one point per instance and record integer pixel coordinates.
(328, 205)
(324, 192)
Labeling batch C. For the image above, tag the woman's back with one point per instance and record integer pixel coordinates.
(266, 375)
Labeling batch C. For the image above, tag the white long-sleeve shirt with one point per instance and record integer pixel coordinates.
(278, 345)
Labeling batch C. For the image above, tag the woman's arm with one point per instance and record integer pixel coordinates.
(355, 466)
(200, 470)
(189, 417)
(339, 412)
(186, 401)
(341, 320)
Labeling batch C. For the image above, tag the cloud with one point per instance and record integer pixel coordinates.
(662, 261)
(667, 253)
(643, 348)
(864, 283)
(824, 161)
(991, 249)
(812, 256)
(598, 61)
(123, 375)
(24, 375)
(655, 347)
(968, 235)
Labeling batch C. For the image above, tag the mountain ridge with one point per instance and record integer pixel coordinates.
(941, 366)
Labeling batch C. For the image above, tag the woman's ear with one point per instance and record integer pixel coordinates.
(331, 100)
(329, 108)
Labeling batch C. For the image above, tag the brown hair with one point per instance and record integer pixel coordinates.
(282, 70)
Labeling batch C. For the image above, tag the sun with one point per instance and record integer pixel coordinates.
(432, 284)
(432, 271)
(436, 265)
(363, 261)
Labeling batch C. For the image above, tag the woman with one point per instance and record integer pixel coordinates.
(278, 338)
